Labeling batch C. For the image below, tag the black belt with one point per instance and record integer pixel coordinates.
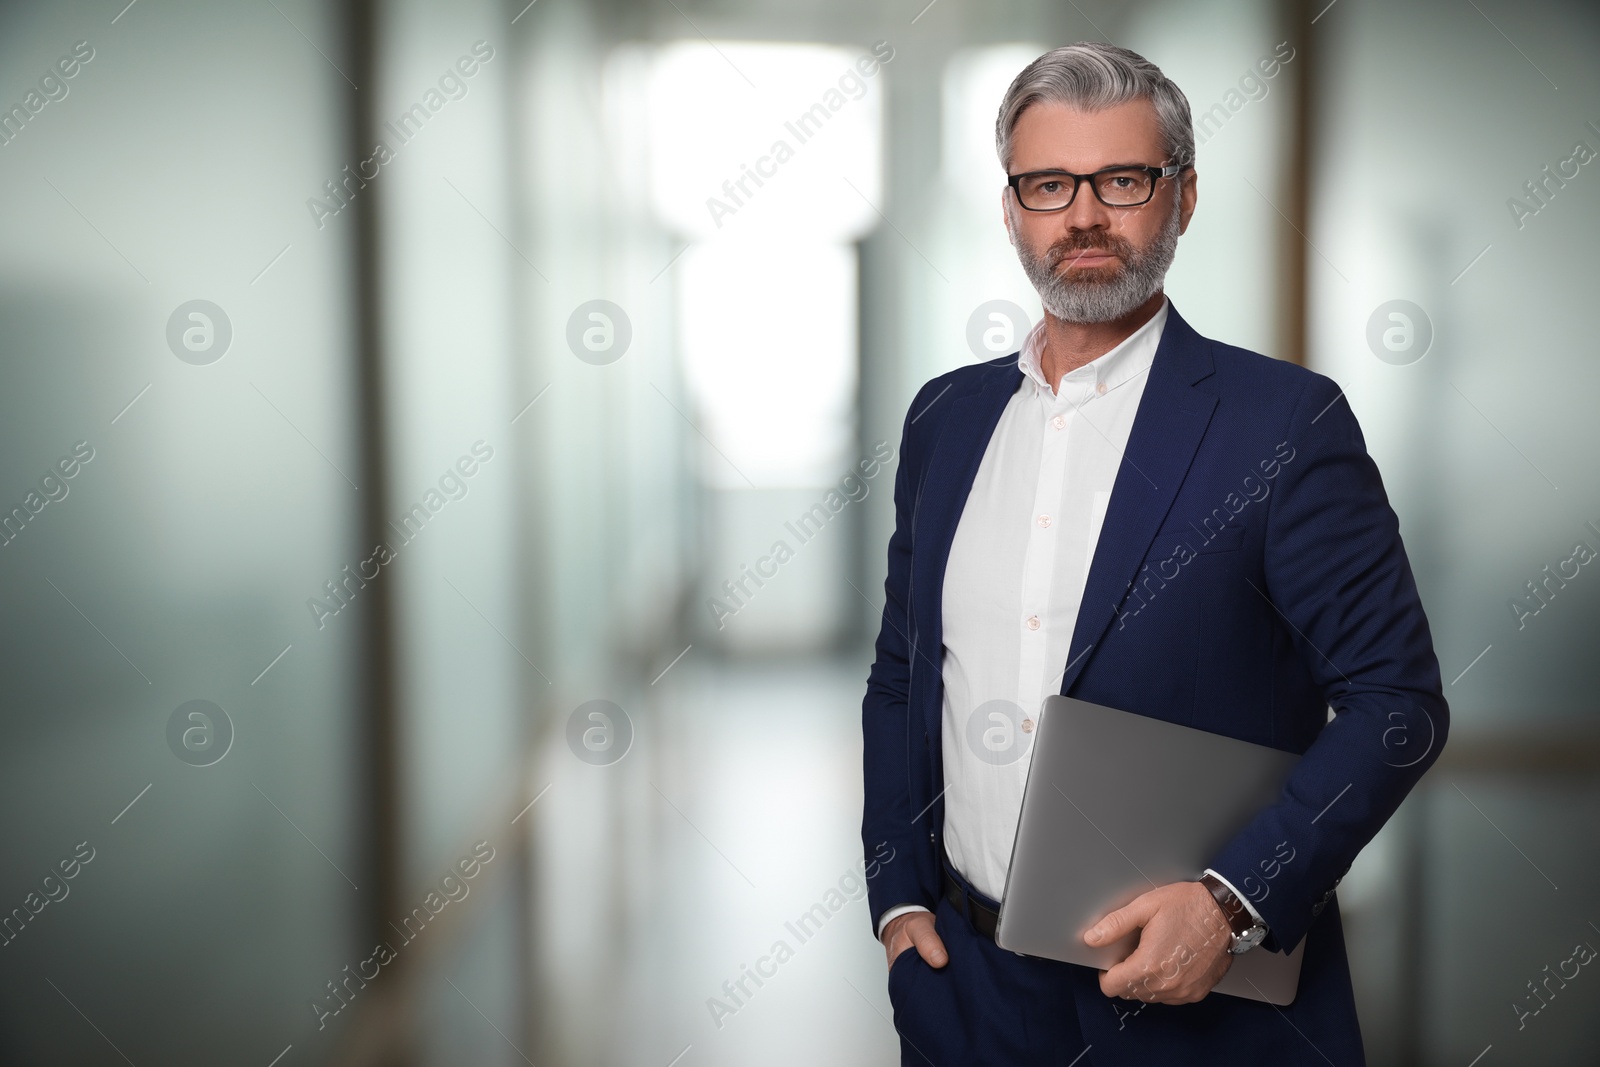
(983, 918)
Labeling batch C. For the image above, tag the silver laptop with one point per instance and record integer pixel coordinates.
(1117, 804)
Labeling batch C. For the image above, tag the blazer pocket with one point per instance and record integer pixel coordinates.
(1227, 539)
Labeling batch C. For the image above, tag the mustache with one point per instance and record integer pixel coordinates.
(1074, 245)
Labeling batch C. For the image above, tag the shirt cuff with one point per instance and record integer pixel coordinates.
(1254, 914)
(897, 910)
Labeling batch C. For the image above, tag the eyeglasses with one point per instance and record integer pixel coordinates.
(1052, 190)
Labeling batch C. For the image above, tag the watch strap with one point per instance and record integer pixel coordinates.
(1239, 918)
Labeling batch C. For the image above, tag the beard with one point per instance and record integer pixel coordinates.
(1100, 294)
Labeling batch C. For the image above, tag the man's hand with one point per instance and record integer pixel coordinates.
(914, 929)
(1183, 950)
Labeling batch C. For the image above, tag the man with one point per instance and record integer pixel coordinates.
(1135, 515)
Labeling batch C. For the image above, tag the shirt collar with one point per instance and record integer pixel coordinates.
(1130, 358)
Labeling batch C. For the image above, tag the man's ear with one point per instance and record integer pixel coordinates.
(1186, 199)
(1005, 215)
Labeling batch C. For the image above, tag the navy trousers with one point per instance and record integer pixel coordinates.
(985, 1006)
(991, 1007)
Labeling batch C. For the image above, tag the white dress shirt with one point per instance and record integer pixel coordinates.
(1014, 582)
(1015, 579)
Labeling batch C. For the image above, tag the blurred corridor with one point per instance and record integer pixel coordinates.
(445, 462)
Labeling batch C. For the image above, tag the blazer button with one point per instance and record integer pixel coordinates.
(1316, 909)
(930, 837)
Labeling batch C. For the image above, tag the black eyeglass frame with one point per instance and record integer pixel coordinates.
(1156, 174)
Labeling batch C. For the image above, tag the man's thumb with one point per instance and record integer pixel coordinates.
(930, 947)
(1116, 924)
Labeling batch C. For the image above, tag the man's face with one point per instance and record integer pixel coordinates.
(1092, 262)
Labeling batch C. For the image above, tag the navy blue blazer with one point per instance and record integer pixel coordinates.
(1249, 576)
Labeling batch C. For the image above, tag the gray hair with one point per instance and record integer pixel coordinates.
(1092, 76)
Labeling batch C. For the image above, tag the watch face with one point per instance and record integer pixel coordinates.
(1247, 940)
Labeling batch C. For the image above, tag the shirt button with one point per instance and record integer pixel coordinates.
(1033, 622)
(1027, 726)
(1044, 522)
(1100, 388)
(1059, 422)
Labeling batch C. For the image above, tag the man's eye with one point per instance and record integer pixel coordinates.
(1050, 187)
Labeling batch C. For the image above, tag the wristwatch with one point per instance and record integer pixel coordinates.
(1247, 931)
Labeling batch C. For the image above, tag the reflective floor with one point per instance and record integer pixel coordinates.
(689, 864)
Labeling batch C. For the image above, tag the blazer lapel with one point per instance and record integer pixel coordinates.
(1171, 420)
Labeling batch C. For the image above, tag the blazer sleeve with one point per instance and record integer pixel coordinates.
(1337, 577)
(887, 829)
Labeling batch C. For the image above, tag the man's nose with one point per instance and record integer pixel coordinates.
(1086, 212)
